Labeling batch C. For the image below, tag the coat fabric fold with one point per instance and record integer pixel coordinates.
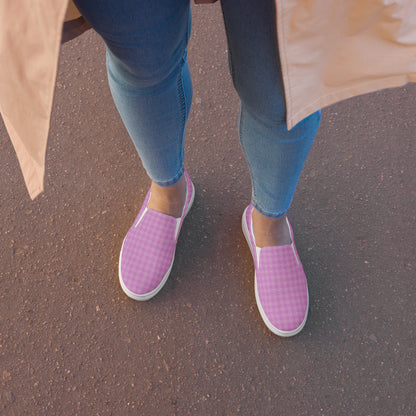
(334, 51)
(329, 51)
(30, 36)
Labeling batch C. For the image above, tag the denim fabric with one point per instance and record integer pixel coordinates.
(275, 155)
(150, 82)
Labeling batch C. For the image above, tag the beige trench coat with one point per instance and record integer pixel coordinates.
(330, 51)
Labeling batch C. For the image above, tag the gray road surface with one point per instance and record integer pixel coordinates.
(71, 343)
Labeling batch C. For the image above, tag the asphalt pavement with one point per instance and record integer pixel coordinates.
(71, 342)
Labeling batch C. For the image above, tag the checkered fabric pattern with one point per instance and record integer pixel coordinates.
(149, 248)
(280, 282)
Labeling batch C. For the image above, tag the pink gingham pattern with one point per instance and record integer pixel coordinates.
(148, 250)
(280, 283)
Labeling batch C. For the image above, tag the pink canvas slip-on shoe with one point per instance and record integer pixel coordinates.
(279, 282)
(148, 250)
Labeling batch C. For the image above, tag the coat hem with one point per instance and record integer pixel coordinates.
(33, 174)
(344, 94)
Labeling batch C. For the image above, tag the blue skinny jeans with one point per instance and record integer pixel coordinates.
(149, 78)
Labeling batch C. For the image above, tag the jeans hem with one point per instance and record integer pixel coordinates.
(265, 213)
(172, 181)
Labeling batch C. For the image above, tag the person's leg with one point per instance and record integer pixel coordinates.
(150, 82)
(275, 155)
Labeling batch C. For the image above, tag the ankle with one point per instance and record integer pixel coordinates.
(270, 231)
(168, 200)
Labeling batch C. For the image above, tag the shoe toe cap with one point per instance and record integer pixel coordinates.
(145, 259)
(282, 292)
